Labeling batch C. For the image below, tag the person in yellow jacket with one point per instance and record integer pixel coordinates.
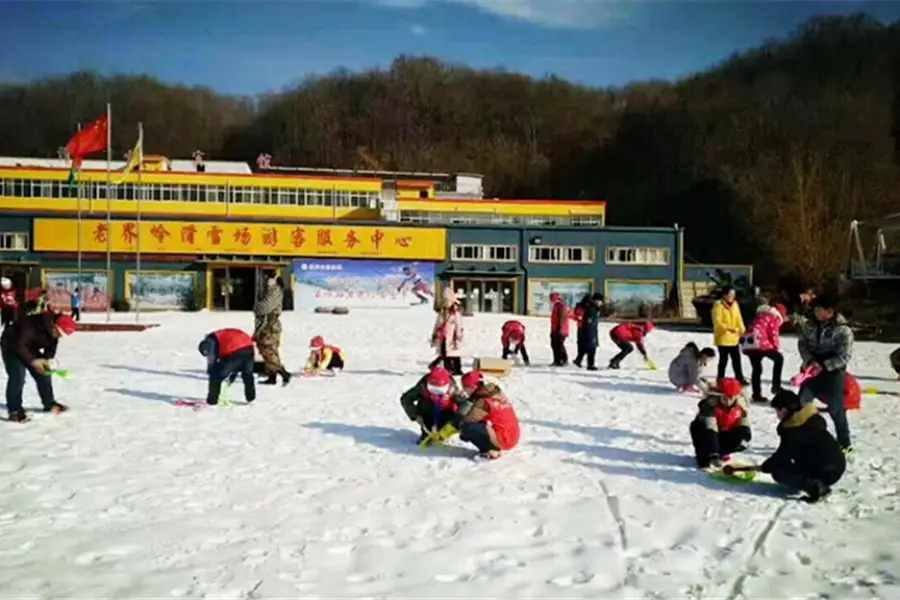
(728, 327)
(323, 358)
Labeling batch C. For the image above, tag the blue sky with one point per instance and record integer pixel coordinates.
(252, 47)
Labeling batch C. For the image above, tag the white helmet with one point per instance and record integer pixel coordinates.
(5, 283)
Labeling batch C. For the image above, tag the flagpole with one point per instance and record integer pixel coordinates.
(109, 281)
(78, 200)
(140, 195)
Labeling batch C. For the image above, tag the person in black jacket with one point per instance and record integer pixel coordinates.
(808, 458)
(588, 314)
(28, 345)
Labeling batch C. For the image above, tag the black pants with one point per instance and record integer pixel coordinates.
(828, 386)
(710, 444)
(520, 349)
(805, 481)
(432, 416)
(587, 347)
(76, 313)
(15, 382)
(733, 352)
(895, 360)
(558, 346)
(625, 348)
(241, 362)
(477, 435)
(7, 315)
(756, 358)
(451, 363)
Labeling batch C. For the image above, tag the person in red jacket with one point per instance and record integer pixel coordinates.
(513, 340)
(228, 352)
(323, 357)
(490, 424)
(9, 304)
(626, 336)
(559, 330)
(763, 340)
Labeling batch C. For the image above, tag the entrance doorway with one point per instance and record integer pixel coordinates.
(19, 276)
(486, 294)
(235, 288)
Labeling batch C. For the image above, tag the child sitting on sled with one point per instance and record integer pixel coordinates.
(228, 352)
(808, 458)
(432, 402)
(628, 335)
(323, 358)
(684, 370)
(722, 425)
(490, 422)
(513, 340)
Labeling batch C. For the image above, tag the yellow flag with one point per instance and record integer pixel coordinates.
(137, 155)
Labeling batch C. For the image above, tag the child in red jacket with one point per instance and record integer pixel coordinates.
(229, 353)
(763, 340)
(513, 340)
(626, 336)
(559, 330)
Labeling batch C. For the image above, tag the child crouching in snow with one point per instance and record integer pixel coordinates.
(626, 336)
(684, 370)
(513, 340)
(323, 358)
(808, 458)
(431, 402)
(721, 426)
(490, 424)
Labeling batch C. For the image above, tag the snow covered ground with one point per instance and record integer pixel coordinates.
(318, 490)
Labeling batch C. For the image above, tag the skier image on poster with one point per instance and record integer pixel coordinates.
(417, 285)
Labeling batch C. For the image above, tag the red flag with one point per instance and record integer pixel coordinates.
(89, 140)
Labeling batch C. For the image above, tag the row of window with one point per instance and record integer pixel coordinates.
(458, 218)
(14, 242)
(575, 255)
(96, 190)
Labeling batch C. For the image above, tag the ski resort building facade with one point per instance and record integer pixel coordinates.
(178, 236)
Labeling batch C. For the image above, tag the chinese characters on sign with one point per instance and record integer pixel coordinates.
(199, 237)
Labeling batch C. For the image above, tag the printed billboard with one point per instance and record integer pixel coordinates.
(362, 283)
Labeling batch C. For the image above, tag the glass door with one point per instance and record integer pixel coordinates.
(491, 295)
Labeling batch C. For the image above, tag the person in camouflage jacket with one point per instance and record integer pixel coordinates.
(267, 330)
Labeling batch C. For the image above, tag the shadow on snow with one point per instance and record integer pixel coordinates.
(400, 441)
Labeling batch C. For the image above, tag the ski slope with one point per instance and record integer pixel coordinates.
(318, 490)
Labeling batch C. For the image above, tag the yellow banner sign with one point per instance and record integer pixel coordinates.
(274, 239)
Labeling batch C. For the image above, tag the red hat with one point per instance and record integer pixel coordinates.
(782, 309)
(472, 380)
(317, 343)
(438, 382)
(730, 388)
(65, 324)
(554, 297)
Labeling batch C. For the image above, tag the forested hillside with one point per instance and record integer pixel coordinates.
(765, 159)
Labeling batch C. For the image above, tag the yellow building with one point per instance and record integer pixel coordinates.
(223, 226)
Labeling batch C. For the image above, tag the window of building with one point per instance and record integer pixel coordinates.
(618, 255)
(14, 242)
(484, 252)
(561, 254)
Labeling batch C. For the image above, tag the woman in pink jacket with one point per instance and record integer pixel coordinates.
(763, 340)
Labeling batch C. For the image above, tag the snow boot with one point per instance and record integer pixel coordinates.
(817, 491)
(760, 400)
(18, 416)
(285, 376)
(56, 408)
(272, 380)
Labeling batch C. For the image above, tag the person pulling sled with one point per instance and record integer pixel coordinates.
(229, 353)
(28, 345)
(808, 458)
